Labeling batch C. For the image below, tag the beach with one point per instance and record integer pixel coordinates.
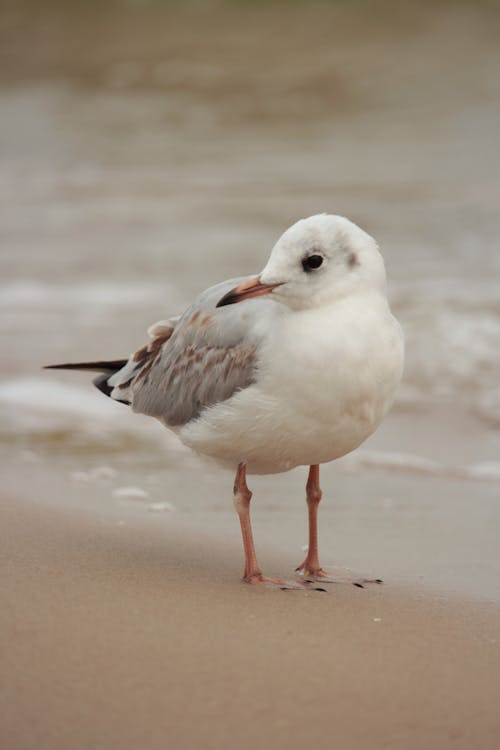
(149, 151)
(125, 622)
(118, 636)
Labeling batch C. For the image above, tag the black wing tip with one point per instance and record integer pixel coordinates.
(101, 382)
(103, 366)
(65, 366)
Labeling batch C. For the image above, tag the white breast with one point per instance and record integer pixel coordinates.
(326, 379)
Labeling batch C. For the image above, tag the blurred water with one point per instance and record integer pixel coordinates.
(151, 150)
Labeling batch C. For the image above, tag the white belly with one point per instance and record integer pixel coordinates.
(321, 390)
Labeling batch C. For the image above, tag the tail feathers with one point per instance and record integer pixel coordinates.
(107, 367)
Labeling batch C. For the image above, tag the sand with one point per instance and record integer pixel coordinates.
(142, 637)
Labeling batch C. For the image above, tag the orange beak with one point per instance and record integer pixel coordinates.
(246, 290)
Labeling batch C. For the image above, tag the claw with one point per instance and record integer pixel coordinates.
(277, 583)
(321, 576)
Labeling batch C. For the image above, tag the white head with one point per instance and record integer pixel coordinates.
(321, 259)
(315, 262)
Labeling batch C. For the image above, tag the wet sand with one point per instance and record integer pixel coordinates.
(141, 636)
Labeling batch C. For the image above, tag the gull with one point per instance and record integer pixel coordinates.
(294, 367)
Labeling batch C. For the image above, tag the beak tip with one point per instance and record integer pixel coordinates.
(225, 300)
(246, 290)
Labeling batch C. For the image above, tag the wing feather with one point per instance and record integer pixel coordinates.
(195, 361)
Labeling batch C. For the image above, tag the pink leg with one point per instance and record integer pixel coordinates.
(252, 573)
(242, 497)
(310, 568)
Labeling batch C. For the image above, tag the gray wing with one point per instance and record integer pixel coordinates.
(197, 360)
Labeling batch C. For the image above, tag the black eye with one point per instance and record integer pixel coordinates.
(312, 262)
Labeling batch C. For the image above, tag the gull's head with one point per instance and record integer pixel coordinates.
(315, 262)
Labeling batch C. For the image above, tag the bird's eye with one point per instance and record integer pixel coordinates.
(312, 262)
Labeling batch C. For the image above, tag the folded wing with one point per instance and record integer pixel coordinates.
(195, 361)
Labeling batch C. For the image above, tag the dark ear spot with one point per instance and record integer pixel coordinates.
(352, 260)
